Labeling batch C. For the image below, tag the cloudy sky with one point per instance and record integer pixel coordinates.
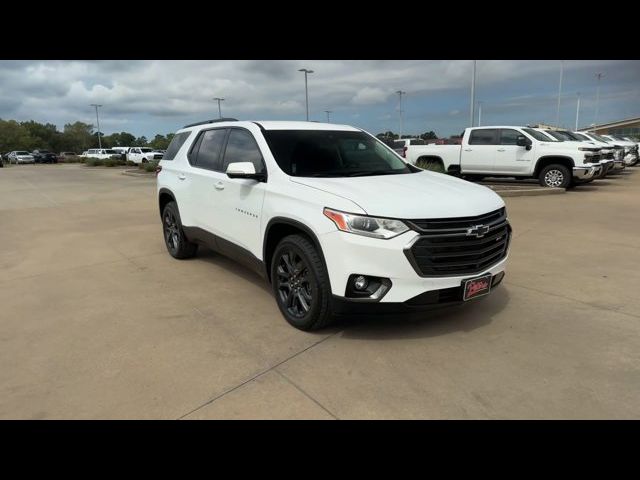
(149, 97)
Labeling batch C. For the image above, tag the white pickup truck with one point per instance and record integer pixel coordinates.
(101, 153)
(508, 151)
(143, 155)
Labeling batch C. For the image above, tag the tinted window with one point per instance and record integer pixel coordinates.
(509, 137)
(538, 135)
(417, 142)
(210, 147)
(241, 147)
(487, 136)
(398, 144)
(176, 143)
(327, 153)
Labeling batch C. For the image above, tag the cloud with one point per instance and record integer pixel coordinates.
(369, 95)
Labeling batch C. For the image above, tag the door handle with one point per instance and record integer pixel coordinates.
(181, 176)
(219, 186)
(501, 149)
(468, 150)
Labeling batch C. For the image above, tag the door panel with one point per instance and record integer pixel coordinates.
(478, 155)
(241, 199)
(511, 158)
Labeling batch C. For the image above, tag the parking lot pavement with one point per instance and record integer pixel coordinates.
(98, 321)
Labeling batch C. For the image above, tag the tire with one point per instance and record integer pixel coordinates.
(144, 160)
(555, 176)
(174, 237)
(301, 284)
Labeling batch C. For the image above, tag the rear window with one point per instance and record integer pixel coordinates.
(176, 143)
(486, 136)
(417, 142)
(398, 144)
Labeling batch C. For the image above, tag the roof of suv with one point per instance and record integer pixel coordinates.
(274, 125)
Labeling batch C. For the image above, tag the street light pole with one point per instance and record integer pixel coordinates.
(306, 88)
(219, 108)
(472, 113)
(328, 112)
(479, 114)
(98, 122)
(400, 93)
(599, 75)
(559, 93)
(578, 111)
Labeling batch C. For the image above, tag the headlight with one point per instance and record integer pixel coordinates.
(367, 226)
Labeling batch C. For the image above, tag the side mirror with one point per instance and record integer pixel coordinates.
(244, 170)
(523, 141)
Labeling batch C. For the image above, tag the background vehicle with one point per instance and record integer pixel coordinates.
(630, 149)
(67, 155)
(44, 156)
(20, 156)
(511, 151)
(321, 211)
(598, 157)
(143, 155)
(101, 153)
(401, 146)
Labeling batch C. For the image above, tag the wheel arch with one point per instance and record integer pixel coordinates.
(276, 230)
(550, 160)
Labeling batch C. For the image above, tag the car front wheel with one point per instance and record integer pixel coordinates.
(301, 284)
(555, 176)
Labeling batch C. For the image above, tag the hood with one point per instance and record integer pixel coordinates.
(410, 196)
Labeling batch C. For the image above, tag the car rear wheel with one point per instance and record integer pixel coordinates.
(300, 283)
(174, 237)
(555, 176)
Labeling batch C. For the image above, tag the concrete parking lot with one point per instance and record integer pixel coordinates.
(98, 321)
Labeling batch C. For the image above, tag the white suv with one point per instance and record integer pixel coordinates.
(334, 219)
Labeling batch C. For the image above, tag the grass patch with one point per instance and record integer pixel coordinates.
(430, 164)
(149, 166)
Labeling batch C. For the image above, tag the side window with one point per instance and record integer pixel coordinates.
(509, 136)
(209, 149)
(484, 136)
(176, 143)
(242, 147)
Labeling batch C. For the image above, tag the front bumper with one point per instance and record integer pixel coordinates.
(586, 172)
(347, 254)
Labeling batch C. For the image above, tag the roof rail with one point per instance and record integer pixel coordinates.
(211, 121)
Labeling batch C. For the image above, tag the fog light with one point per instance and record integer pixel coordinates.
(360, 283)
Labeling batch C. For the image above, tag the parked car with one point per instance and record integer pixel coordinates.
(630, 149)
(122, 151)
(619, 150)
(321, 211)
(511, 151)
(44, 156)
(143, 154)
(599, 157)
(20, 156)
(400, 146)
(101, 153)
(64, 155)
(608, 152)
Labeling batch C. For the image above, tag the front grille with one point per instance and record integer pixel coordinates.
(445, 249)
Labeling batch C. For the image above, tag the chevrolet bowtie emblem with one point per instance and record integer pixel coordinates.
(477, 231)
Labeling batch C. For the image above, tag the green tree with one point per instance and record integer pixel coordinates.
(78, 136)
(46, 136)
(430, 135)
(141, 141)
(14, 136)
(161, 142)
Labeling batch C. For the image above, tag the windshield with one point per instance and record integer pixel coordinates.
(537, 135)
(144, 150)
(23, 153)
(556, 135)
(580, 136)
(110, 151)
(326, 153)
(598, 137)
